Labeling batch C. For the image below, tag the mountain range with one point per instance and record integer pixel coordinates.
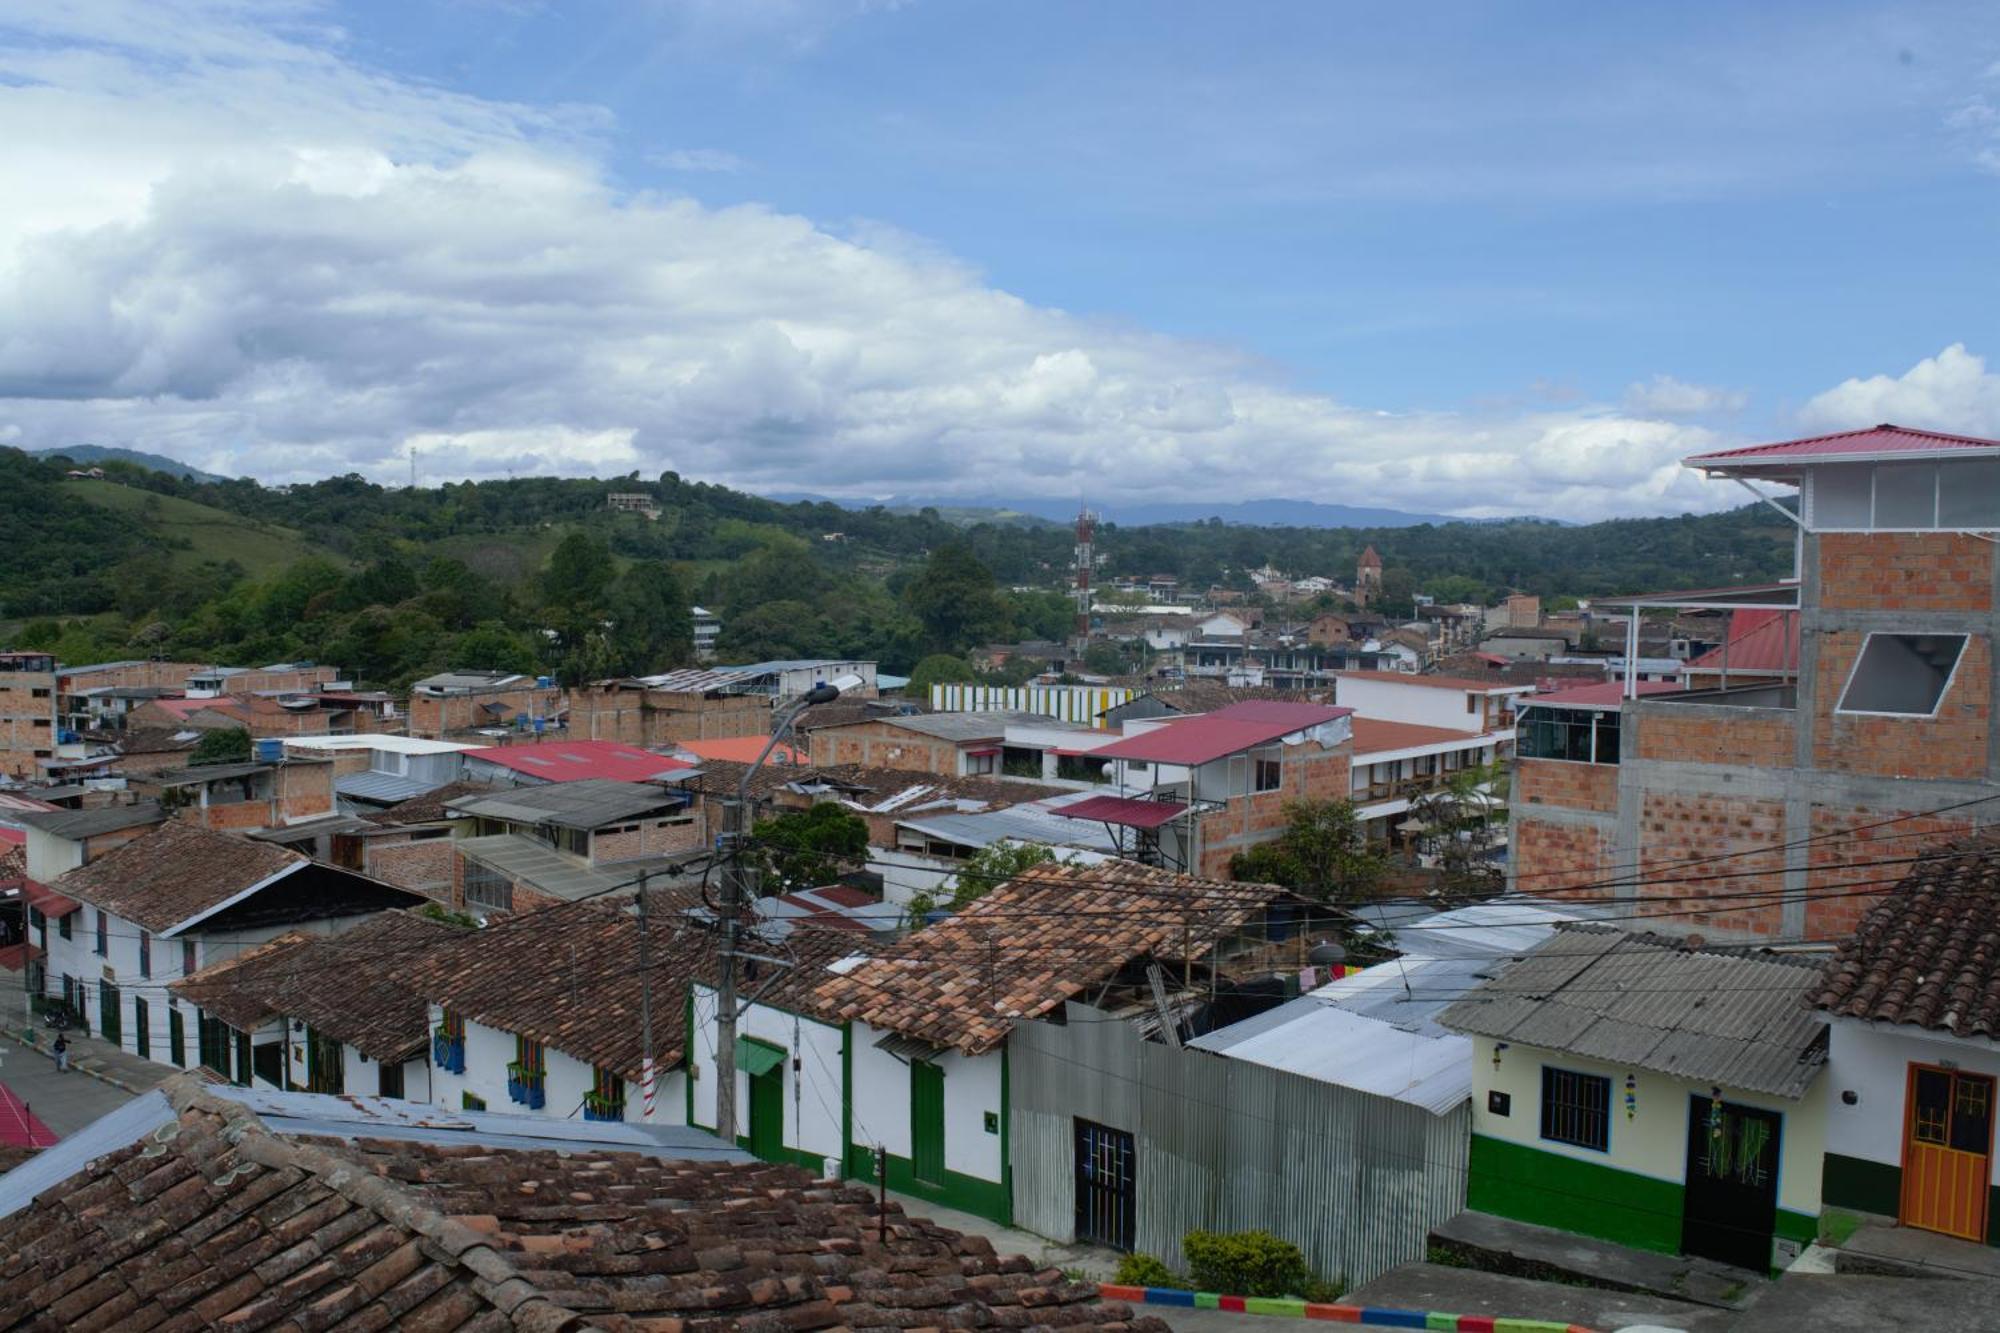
(1244, 513)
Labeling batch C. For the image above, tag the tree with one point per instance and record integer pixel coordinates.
(1399, 589)
(803, 849)
(493, 647)
(985, 870)
(224, 745)
(956, 601)
(578, 574)
(1106, 659)
(938, 669)
(1323, 853)
(651, 628)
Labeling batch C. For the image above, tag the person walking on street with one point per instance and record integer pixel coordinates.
(62, 1053)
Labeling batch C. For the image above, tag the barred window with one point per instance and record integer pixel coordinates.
(1576, 1108)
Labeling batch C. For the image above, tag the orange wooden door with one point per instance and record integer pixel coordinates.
(1947, 1152)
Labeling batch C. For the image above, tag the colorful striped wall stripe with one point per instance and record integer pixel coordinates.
(1373, 1315)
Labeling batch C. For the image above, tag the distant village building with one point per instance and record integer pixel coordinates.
(633, 502)
(1368, 578)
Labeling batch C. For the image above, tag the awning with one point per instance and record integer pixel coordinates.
(754, 1058)
(47, 901)
(985, 749)
(908, 1049)
(1126, 811)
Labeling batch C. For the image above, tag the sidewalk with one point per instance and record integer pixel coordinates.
(1097, 1262)
(94, 1058)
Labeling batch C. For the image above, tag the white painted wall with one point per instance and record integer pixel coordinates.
(1874, 1064)
(906, 874)
(812, 1090)
(1394, 701)
(488, 1052)
(1653, 1141)
(971, 1090)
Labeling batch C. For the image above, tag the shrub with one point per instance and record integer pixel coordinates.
(1143, 1270)
(1245, 1263)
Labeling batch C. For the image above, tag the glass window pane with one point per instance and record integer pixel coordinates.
(1969, 494)
(1906, 495)
(1840, 495)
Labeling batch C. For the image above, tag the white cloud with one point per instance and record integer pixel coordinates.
(1952, 391)
(235, 246)
(1666, 396)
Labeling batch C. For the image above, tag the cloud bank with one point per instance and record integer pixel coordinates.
(228, 242)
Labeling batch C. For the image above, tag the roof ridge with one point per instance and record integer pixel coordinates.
(493, 1276)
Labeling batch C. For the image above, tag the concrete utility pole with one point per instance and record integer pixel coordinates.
(736, 891)
(646, 1082)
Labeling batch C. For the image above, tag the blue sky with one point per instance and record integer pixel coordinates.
(1484, 258)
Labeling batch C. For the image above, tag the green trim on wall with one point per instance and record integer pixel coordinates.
(1545, 1188)
(1006, 1154)
(1865, 1186)
(1796, 1226)
(983, 1198)
(847, 1099)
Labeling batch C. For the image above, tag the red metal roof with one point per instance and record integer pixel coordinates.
(47, 901)
(572, 761)
(1761, 642)
(1122, 810)
(1882, 439)
(1608, 695)
(1227, 731)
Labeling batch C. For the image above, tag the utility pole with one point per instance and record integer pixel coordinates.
(645, 1010)
(725, 998)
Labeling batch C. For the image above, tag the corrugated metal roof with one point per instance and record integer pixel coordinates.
(578, 805)
(1875, 440)
(1610, 694)
(1124, 810)
(1021, 823)
(1625, 1000)
(382, 788)
(526, 861)
(1210, 736)
(1761, 641)
(990, 724)
(1326, 1042)
(573, 761)
(87, 823)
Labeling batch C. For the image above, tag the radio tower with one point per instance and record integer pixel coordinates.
(1086, 524)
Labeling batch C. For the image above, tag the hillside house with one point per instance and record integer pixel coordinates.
(454, 702)
(177, 898)
(1659, 1097)
(1911, 1004)
(1881, 730)
(334, 1007)
(518, 849)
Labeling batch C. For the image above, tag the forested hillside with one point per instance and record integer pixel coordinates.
(539, 573)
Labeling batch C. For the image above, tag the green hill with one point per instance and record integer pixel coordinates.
(194, 534)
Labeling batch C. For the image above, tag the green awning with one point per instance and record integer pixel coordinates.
(754, 1057)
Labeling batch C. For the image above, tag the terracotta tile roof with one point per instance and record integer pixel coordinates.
(1372, 735)
(218, 1220)
(1024, 948)
(1427, 682)
(1927, 955)
(163, 877)
(157, 740)
(429, 807)
(569, 976)
(348, 986)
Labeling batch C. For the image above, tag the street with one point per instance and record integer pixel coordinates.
(63, 1102)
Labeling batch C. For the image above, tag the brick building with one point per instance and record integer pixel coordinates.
(458, 701)
(1771, 804)
(641, 713)
(528, 847)
(1229, 776)
(245, 797)
(947, 744)
(27, 712)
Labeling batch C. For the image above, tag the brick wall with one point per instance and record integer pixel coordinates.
(27, 720)
(1552, 858)
(653, 837)
(880, 745)
(1905, 571)
(422, 864)
(1310, 774)
(305, 790)
(1680, 838)
(1950, 745)
(235, 816)
(1560, 782)
(434, 717)
(657, 718)
(1842, 882)
(1690, 733)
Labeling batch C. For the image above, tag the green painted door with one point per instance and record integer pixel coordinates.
(177, 1037)
(142, 1026)
(767, 1114)
(109, 1023)
(927, 1122)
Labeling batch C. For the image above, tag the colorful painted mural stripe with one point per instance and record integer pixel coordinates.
(1375, 1316)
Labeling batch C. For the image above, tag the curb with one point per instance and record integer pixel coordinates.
(1374, 1315)
(77, 1066)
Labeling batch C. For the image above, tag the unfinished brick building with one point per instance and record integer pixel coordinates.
(1781, 801)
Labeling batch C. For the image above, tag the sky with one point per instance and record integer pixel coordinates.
(1462, 258)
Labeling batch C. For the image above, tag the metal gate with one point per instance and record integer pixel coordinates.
(1105, 1188)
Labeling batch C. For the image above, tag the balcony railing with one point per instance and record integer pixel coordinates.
(597, 1106)
(527, 1086)
(448, 1052)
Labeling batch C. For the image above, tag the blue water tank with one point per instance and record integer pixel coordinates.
(270, 749)
(540, 722)
(545, 682)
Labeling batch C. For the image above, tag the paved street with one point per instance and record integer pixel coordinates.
(64, 1102)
